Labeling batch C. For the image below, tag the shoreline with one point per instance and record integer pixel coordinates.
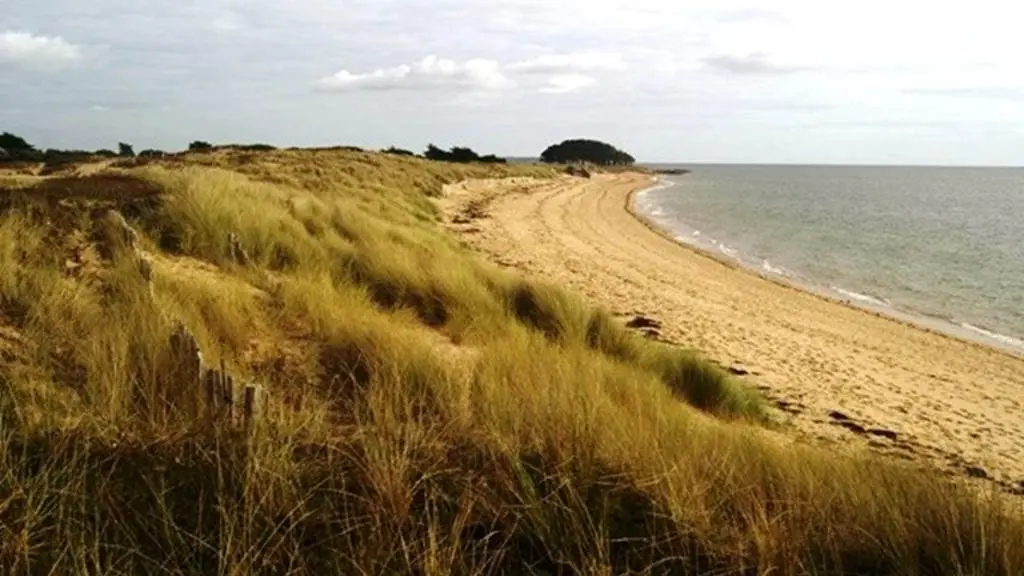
(836, 373)
(921, 321)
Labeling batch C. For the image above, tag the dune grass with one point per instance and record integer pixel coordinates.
(426, 412)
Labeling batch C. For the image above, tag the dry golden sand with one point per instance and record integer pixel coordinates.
(907, 391)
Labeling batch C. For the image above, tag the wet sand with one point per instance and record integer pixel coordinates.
(838, 373)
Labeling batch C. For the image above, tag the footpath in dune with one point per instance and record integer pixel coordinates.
(838, 373)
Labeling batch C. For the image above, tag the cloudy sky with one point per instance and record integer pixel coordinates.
(894, 81)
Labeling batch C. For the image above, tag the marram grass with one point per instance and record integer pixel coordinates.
(426, 413)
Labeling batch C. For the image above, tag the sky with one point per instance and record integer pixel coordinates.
(788, 81)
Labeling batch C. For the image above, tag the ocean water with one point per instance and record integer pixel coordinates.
(943, 245)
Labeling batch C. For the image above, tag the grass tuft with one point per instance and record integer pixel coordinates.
(701, 383)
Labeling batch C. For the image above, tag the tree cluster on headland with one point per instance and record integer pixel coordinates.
(585, 151)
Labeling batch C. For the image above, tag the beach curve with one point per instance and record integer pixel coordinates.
(840, 373)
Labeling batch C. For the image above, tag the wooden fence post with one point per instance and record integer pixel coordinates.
(186, 369)
(236, 252)
(227, 391)
(251, 405)
(210, 387)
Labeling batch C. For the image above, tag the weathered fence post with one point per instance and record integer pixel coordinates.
(250, 405)
(236, 252)
(227, 391)
(210, 387)
(187, 367)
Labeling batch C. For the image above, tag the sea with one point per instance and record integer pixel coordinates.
(940, 246)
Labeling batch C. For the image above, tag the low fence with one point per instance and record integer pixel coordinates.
(225, 398)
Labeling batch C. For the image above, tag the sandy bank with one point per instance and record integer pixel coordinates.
(840, 373)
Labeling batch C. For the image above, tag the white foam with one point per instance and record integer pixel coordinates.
(659, 184)
(860, 297)
(994, 335)
(645, 204)
(767, 267)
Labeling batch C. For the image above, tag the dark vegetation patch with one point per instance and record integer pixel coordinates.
(62, 201)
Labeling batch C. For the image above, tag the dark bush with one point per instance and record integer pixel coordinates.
(16, 149)
(14, 144)
(399, 151)
(257, 147)
(56, 160)
(460, 154)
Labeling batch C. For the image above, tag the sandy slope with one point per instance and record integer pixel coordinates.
(906, 391)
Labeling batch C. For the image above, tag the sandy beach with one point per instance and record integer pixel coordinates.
(836, 372)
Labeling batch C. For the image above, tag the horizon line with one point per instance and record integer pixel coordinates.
(791, 163)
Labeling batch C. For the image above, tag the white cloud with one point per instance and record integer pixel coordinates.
(748, 64)
(430, 72)
(572, 63)
(25, 49)
(564, 83)
(551, 74)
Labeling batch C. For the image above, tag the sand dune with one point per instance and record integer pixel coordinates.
(840, 374)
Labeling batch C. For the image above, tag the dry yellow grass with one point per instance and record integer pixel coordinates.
(426, 413)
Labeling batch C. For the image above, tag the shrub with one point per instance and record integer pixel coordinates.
(257, 147)
(399, 151)
(460, 154)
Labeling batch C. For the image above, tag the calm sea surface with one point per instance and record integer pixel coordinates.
(945, 245)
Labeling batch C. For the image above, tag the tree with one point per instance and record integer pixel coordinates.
(462, 154)
(151, 153)
(124, 149)
(434, 153)
(16, 149)
(199, 146)
(15, 144)
(582, 150)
